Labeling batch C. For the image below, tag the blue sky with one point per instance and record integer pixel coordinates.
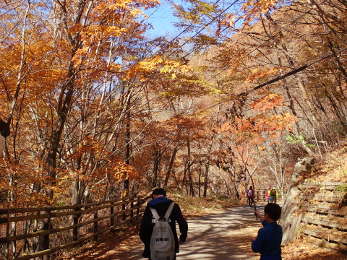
(162, 19)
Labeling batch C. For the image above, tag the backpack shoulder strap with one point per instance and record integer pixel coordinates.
(155, 215)
(169, 211)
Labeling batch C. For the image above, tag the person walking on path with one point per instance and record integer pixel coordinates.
(160, 205)
(267, 195)
(273, 195)
(269, 238)
(250, 196)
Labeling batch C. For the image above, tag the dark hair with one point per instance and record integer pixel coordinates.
(251, 187)
(159, 191)
(273, 210)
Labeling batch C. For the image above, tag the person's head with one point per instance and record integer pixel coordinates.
(158, 192)
(250, 187)
(272, 212)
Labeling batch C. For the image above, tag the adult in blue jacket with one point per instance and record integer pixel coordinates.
(161, 203)
(269, 238)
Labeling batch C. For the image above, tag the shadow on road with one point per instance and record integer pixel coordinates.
(221, 236)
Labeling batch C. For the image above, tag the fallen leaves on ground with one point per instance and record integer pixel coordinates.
(303, 249)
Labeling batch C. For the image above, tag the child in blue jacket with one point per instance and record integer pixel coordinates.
(269, 238)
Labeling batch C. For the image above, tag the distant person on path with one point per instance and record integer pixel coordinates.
(273, 196)
(250, 196)
(159, 207)
(269, 238)
(267, 195)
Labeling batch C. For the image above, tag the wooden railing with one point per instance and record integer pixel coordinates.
(325, 215)
(27, 233)
(260, 195)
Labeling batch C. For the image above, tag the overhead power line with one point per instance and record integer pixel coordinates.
(278, 78)
(292, 72)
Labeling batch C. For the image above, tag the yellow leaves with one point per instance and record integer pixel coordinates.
(215, 91)
(146, 68)
(149, 64)
(115, 67)
(114, 31)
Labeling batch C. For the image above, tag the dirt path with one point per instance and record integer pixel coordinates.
(223, 235)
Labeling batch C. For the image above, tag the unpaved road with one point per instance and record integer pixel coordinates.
(222, 235)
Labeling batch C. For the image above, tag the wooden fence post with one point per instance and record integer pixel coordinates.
(124, 210)
(8, 244)
(116, 215)
(112, 214)
(75, 218)
(132, 211)
(44, 239)
(138, 207)
(95, 225)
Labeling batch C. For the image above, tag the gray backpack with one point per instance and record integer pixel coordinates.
(162, 241)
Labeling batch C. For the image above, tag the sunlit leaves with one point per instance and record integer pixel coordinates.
(268, 102)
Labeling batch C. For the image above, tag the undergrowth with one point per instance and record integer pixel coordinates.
(196, 206)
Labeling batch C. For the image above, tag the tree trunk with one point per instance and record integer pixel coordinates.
(207, 167)
(169, 170)
(156, 165)
(190, 177)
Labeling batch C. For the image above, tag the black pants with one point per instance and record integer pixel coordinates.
(174, 258)
(250, 201)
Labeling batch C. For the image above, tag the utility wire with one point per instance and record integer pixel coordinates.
(292, 72)
(278, 78)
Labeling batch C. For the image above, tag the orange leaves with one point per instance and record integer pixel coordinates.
(122, 171)
(260, 74)
(268, 102)
(253, 8)
(272, 123)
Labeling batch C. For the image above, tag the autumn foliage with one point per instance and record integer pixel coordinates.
(98, 111)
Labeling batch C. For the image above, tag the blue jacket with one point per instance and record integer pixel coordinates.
(161, 204)
(268, 241)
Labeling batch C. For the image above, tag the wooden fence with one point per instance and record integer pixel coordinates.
(324, 215)
(260, 195)
(27, 233)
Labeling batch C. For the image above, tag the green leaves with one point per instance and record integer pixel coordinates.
(298, 139)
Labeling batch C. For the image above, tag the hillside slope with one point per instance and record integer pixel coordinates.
(316, 208)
